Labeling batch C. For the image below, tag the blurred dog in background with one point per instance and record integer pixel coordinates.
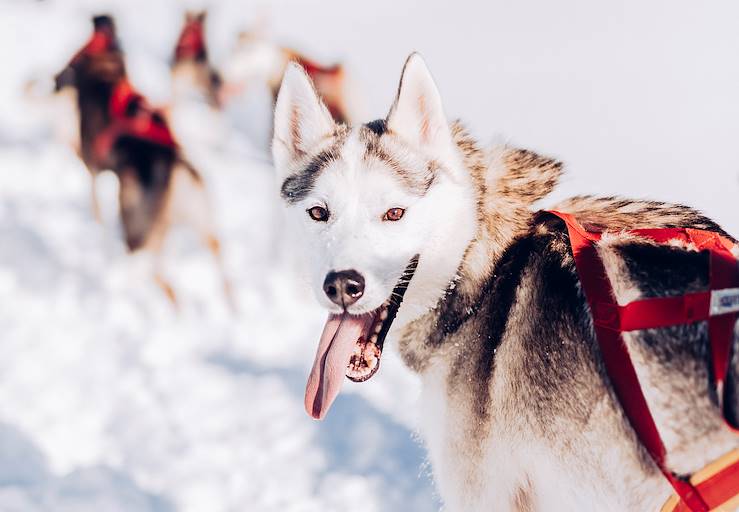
(120, 132)
(192, 74)
(257, 59)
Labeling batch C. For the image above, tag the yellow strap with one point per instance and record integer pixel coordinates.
(704, 474)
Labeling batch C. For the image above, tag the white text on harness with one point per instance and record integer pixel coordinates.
(724, 301)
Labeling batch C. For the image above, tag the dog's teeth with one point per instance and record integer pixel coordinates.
(373, 339)
(378, 327)
(383, 314)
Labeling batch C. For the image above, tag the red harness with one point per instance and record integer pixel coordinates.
(131, 116)
(191, 44)
(719, 306)
(101, 41)
(313, 69)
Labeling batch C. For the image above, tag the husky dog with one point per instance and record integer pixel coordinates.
(120, 132)
(192, 74)
(416, 232)
(258, 60)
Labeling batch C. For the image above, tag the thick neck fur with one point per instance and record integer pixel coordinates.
(508, 181)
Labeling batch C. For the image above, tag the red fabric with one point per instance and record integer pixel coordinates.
(314, 69)
(131, 116)
(611, 319)
(191, 43)
(101, 41)
(122, 96)
(664, 311)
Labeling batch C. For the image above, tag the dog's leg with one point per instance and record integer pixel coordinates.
(166, 288)
(189, 204)
(146, 216)
(154, 244)
(94, 197)
(214, 246)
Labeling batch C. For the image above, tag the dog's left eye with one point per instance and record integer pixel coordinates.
(318, 213)
(394, 214)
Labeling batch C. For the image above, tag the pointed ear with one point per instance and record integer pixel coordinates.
(301, 118)
(417, 114)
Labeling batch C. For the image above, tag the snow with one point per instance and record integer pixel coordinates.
(111, 400)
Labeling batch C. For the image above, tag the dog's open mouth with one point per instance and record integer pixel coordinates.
(351, 346)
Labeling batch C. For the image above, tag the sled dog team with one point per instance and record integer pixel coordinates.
(121, 132)
(581, 358)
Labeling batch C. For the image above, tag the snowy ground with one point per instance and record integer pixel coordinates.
(110, 400)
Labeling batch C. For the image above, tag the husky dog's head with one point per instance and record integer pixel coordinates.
(387, 210)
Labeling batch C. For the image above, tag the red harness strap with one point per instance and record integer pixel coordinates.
(313, 69)
(716, 490)
(191, 44)
(718, 306)
(101, 41)
(131, 116)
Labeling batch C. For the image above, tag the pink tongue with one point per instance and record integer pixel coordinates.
(329, 368)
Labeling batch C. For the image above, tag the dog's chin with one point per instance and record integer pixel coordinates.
(351, 345)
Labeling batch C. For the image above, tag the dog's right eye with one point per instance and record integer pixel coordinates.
(318, 213)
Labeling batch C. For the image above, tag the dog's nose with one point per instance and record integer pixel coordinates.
(344, 288)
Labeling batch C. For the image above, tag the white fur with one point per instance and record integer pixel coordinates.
(186, 82)
(254, 61)
(417, 115)
(357, 193)
(301, 120)
(490, 478)
(439, 226)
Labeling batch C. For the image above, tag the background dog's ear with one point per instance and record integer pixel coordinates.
(301, 119)
(103, 21)
(196, 16)
(417, 115)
